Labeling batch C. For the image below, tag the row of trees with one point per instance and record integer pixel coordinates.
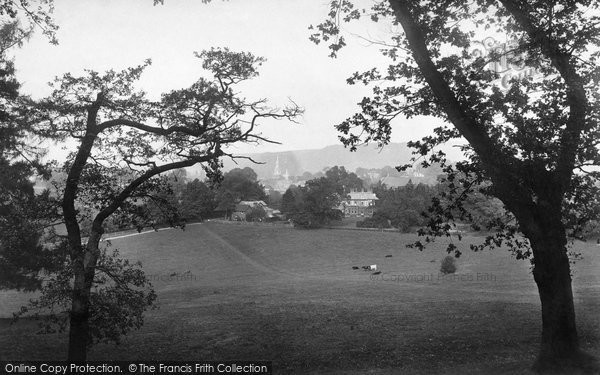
(23, 213)
(198, 200)
(318, 203)
(401, 207)
(184, 200)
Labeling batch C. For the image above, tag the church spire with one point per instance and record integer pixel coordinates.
(277, 171)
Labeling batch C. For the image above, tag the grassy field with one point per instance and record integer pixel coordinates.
(291, 296)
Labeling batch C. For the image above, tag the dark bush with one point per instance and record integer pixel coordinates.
(377, 221)
(256, 214)
(448, 265)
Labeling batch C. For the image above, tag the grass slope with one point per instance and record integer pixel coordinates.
(291, 296)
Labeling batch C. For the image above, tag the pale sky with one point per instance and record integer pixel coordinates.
(104, 34)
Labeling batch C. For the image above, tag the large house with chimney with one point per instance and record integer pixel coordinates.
(359, 203)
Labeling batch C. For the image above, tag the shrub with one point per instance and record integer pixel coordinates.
(256, 214)
(377, 221)
(405, 219)
(448, 265)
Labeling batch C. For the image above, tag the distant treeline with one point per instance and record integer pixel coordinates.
(400, 207)
(313, 204)
(194, 200)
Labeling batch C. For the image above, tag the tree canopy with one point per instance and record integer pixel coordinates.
(24, 215)
(348, 181)
(197, 200)
(238, 185)
(36, 14)
(317, 202)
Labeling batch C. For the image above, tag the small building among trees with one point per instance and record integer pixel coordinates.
(253, 211)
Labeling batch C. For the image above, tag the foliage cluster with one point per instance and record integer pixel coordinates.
(28, 245)
(238, 185)
(316, 204)
(448, 265)
(256, 213)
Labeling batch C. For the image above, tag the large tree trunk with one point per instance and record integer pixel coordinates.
(559, 348)
(79, 328)
(552, 275)
(84, 270)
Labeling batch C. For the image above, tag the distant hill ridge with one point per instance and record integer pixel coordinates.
(296, 162)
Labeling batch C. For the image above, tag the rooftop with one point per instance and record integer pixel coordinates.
(357, 195)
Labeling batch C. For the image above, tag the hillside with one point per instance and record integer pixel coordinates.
(299, 161)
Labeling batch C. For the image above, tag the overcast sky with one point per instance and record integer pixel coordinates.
(104, 34)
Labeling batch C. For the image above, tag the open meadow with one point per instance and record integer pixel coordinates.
(257, 292)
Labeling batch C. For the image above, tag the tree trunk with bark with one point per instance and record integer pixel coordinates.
(559, 346)
(79, 254)
(552, 276)
(80, 307)
(84, 268)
